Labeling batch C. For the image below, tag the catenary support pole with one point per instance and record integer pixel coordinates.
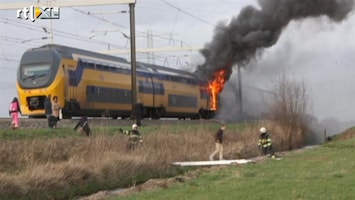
(133, 59)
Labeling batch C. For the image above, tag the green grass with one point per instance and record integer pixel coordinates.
(325, 172)
(9, 134)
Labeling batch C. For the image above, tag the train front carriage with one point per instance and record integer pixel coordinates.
(39, 75)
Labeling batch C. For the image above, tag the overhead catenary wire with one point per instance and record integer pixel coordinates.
(10, 60)
(162, 36)
(102, 19)
(92, 14)
(188, 13)
(60, 33)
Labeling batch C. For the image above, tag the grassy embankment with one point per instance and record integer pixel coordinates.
(60, 164)
(323, 172)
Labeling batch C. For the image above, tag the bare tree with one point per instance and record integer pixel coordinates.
(289, 106)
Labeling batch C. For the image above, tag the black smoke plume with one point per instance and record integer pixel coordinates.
(257, 28)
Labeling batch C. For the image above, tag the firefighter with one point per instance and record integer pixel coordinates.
(83, 126)
(265, 142)
(134, 137)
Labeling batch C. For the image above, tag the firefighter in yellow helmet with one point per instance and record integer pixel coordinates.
(134, 137)
(265, 142)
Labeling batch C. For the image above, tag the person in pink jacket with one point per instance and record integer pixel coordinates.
(14, 113)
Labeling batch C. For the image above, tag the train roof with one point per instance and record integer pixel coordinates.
(75, 53)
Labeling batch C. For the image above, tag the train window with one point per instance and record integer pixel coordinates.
(145, 87)
(172, 100)
(90, 65)
(140, 86)
(35, 70)
(182, 101)
(160, 76)
(107, 95)
(158, 88)
(105, 67)
(90, 93)
(204, 94)
(125, 71)
(181, 80)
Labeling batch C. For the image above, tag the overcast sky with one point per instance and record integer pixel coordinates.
(316, 51)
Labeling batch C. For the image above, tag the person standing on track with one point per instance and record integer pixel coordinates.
(218, 143)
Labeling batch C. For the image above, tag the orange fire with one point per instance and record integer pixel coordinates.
(216, 86)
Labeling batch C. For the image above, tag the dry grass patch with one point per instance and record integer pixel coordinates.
(78, 165)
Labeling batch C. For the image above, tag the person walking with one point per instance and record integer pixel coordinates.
(14, 111)
(218, 138)
(48, 110)
(55, 111)
(265, 142)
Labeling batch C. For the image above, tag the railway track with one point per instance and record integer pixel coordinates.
(64, 123)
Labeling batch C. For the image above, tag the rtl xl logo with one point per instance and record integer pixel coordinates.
(34, 13)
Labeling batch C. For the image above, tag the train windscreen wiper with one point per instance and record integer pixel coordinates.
(33, 77)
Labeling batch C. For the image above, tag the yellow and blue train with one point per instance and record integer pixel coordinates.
(96, 85)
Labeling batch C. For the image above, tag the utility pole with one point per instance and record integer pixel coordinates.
(51, 25)
(240, 95)
(133, 60)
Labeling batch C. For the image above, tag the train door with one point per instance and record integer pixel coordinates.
(158, 99)
(66, 83)
(71, 89)
(145, 94)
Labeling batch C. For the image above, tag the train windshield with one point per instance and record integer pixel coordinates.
(35, 71)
